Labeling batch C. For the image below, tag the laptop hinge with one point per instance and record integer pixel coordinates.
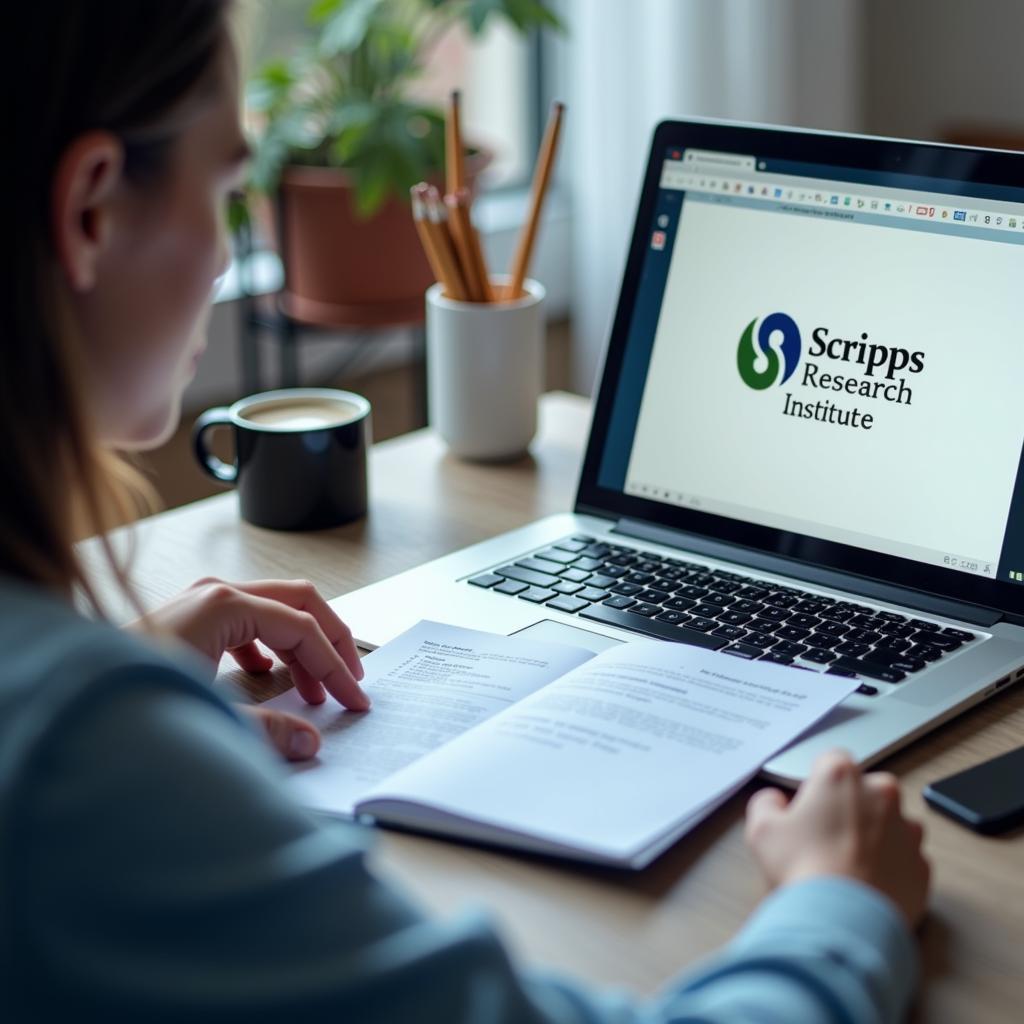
(890, 592)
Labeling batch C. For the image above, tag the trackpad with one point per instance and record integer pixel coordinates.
(560, 633)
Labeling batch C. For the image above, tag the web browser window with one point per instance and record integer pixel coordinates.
(841, 361)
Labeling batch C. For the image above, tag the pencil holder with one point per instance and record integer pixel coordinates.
(485, 365)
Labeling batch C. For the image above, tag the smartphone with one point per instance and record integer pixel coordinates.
(987, 798)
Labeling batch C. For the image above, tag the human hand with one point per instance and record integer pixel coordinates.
(292, 737)
(841, 822)
(289, 617)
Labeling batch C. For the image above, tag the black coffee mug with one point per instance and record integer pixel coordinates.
(300, 456)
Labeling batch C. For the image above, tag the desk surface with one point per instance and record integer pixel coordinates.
(631, 930)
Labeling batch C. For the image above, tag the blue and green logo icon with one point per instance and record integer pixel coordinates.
(759, 363)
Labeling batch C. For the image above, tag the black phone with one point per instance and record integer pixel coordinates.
(987, 798)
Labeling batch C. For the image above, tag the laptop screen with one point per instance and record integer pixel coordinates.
(829, 352)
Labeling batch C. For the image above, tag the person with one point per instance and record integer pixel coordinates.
(153, 867)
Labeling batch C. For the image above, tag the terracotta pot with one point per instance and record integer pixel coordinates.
(342, 270)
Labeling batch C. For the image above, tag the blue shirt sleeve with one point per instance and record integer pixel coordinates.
(159, 871)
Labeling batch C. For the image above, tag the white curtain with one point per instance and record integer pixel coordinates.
(631, 63)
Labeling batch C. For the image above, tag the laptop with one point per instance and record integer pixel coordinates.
(807, 444)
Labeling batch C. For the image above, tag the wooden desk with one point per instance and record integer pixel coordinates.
(631, 930)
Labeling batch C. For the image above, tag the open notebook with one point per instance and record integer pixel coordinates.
(608, 758)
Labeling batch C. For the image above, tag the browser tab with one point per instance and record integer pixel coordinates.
(710, 160)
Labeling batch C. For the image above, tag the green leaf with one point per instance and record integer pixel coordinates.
(346, 30)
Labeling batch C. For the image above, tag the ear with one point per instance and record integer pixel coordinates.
(86, 179)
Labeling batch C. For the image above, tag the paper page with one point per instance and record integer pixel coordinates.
(622, 750)
(427, 685)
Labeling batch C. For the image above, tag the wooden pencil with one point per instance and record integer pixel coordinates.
(455, 167)
(437, 222)
(458, 204)
(419, 216)
(541, 178)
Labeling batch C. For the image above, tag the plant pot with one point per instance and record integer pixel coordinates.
(342, 270)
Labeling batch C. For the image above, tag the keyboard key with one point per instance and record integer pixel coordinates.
(537, 594)
(777, 600)
(757, 639)
(600, 579)
(574, 575)
(679, 604)
(928, 627)
(791, 633)
(775, 614)
(717, 597)
(556, 555)
(892, 616)
(831, 627)
(871, 669)
(763, 625)
(640, 578)
(778, 659)
(863, 636)
(601, 551)
(509, 587)
(958, 634)
(691, 591)
(702, 623)
(743, 651)
(575, 546)
(588, 564)
(788, 648)
(541, 565)
(853, 650)
(665, 586)
(818, 656)
(803, 621)
(592, 594)
(943, 643)
(754, 593)
(732, 618)
(743, 604)
(565, 587)
(488, 579)
(823, 641)
(646, 609)
(892, 643)
(707, 611)
(615, 572)
(908, 665)
(620, 602)
(673, 618)
(537, 579)
(867, 690)
(832, 670)
(924, 652)
(729, 632)
(651, 627)
(582, 538)
(626, 589)
(567, 604)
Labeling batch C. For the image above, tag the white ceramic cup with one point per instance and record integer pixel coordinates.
(485, 367)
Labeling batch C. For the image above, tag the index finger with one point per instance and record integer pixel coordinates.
(304, 597)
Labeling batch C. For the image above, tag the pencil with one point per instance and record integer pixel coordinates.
(437, 222)
(455, 168)
(541, 177)
(468, 240)
(419, 216)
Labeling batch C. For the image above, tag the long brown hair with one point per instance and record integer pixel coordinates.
(123, 67)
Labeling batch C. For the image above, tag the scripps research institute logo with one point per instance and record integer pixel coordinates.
(759, 363)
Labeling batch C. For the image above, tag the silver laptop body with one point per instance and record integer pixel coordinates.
(804, 446)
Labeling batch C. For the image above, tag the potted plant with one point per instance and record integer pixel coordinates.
(340, 141)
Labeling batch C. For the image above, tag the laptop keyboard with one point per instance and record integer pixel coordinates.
(746, 617)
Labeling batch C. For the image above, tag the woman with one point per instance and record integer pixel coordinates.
(153, 868)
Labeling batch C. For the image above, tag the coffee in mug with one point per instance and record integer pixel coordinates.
(300, 456)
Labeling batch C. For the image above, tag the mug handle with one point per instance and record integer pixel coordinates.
(223, 472)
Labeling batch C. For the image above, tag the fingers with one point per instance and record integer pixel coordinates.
(251, 659)
(763, 808)
(293, 737)
(303, 596)
(298, 640)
